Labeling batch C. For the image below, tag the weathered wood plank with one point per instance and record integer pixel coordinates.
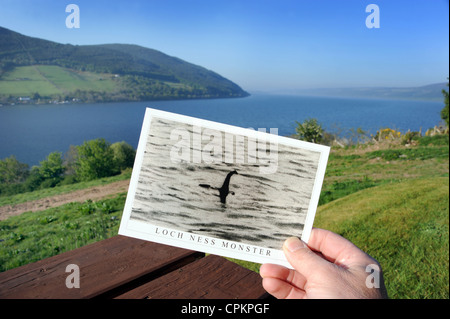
(104, 266)
(211, 277)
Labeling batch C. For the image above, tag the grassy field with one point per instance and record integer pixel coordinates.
(389, 199)
(405, 226)
(27, 80)
(392, 201)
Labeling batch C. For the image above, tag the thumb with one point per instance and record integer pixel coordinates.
(302, 258)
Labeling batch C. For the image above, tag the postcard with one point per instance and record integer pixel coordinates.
(220, 189)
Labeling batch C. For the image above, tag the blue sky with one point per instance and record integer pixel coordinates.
(263, 45)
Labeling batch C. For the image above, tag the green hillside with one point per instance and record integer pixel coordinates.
(115, 72)
(51, 80)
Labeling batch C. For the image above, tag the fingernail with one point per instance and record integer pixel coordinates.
(293, 244)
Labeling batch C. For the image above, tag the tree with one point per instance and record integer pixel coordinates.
(310, 130)
(34, 180)
(12, 171)
(95, 160)
(70, 160)
(124, 155)
(444, 111)
(51, 169)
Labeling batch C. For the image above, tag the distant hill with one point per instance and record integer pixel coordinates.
(428, 92)
(38, 69)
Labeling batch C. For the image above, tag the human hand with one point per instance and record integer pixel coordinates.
(330, 266)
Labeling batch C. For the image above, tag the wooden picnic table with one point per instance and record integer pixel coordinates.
(128, 268)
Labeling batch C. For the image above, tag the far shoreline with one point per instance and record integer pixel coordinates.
(29, 101)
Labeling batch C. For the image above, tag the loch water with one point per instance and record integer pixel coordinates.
(31, 132)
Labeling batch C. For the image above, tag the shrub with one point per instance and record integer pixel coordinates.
(387, 134)
(95, 160)
(124, 155)
(409, 137)
(12, 171)
(310, 130)
(51, 170)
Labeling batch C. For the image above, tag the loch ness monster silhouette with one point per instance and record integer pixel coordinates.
(225, 189)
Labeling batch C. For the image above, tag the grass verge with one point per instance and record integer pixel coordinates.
(33, 236)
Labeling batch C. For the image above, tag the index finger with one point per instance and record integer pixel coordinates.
(336, 248)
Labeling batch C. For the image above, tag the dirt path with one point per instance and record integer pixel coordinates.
(93, 193)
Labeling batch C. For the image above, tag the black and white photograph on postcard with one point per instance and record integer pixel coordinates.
(221, 182)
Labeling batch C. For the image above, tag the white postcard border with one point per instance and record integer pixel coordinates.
(164, 235)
